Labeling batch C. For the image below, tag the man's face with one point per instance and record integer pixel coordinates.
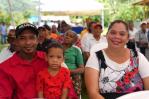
(11, 38)
(27, 42)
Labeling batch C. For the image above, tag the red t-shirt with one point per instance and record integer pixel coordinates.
(18, 77)
(52, 86)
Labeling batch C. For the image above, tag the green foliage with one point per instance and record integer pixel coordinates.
(21, 10)
(121, 9)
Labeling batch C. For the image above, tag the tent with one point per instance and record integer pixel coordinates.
(70, 7)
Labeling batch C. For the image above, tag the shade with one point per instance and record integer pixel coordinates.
(70, 7)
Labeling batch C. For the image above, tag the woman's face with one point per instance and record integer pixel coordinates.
(117, 36)
(69, 38)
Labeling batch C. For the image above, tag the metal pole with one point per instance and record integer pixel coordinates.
(39, 17)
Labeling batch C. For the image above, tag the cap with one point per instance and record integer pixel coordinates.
(26, 26)
(98, 25)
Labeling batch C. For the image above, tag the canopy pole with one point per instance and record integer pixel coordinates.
(39, 18)
(102, 18)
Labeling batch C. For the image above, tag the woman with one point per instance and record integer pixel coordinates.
(116, 70)
(73, 59)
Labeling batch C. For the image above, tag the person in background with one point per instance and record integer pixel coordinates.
(48, 31)
(3, 32)
(54, 33)
(116, 70)
(84, 38)
(132, 31)
(141, 38)
(93, 39)
(18, 73)
(7, 52)
(43, 41)
(148, 30)
(73, 59)
(85, 30)
(56, 78)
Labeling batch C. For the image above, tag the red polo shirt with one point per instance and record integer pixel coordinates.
(18, 77)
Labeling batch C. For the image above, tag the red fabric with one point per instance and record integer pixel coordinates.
(18, 77)
(52, 85)
(54, 36)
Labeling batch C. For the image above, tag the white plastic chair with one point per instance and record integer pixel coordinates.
(136, 95)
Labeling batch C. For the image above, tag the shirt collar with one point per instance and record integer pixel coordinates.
(18, 60)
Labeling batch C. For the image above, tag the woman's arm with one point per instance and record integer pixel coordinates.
(80, 69)
(146, 83)
(92, 85)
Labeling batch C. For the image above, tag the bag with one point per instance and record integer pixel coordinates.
(139, 44)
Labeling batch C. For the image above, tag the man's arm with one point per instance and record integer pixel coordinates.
(6, 86)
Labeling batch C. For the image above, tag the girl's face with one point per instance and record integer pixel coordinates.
(117, 36)
(69, 38)
(55, 58)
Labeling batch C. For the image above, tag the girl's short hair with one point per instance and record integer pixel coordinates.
(54, 45)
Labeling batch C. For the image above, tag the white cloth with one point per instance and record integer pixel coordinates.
(143, 64)
(89, 41)
(83, 40)
(132, 33)
(99, 46)
(5, 54)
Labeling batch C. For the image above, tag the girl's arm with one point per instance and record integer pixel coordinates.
(92, 85)
(40, 94)
(64, 93)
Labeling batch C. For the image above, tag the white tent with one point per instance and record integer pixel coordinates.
(70, 7)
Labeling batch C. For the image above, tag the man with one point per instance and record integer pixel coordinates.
(18, 73)
(141, 38)
(132, 32)
(9, 51)
(3, 33)
(93, 39)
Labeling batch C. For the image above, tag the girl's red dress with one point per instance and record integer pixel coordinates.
(52, 86)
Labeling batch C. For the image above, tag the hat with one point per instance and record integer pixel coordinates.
(26, 26)
(98, 25)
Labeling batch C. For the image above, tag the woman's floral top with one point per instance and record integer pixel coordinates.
(123, 81)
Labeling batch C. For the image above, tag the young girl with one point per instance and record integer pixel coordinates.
(54, 82)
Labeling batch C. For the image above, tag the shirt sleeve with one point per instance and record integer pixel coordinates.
(39, 82)
(93, 62)
(143, 65)
(6, 86)
(67, 82)
(86, 45)
(79, 58)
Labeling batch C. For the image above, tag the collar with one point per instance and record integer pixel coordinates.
(17, 60)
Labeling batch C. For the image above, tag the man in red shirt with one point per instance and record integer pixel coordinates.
(18, 73)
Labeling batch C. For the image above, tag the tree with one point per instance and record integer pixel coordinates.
(121, 9)
(21, 10)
